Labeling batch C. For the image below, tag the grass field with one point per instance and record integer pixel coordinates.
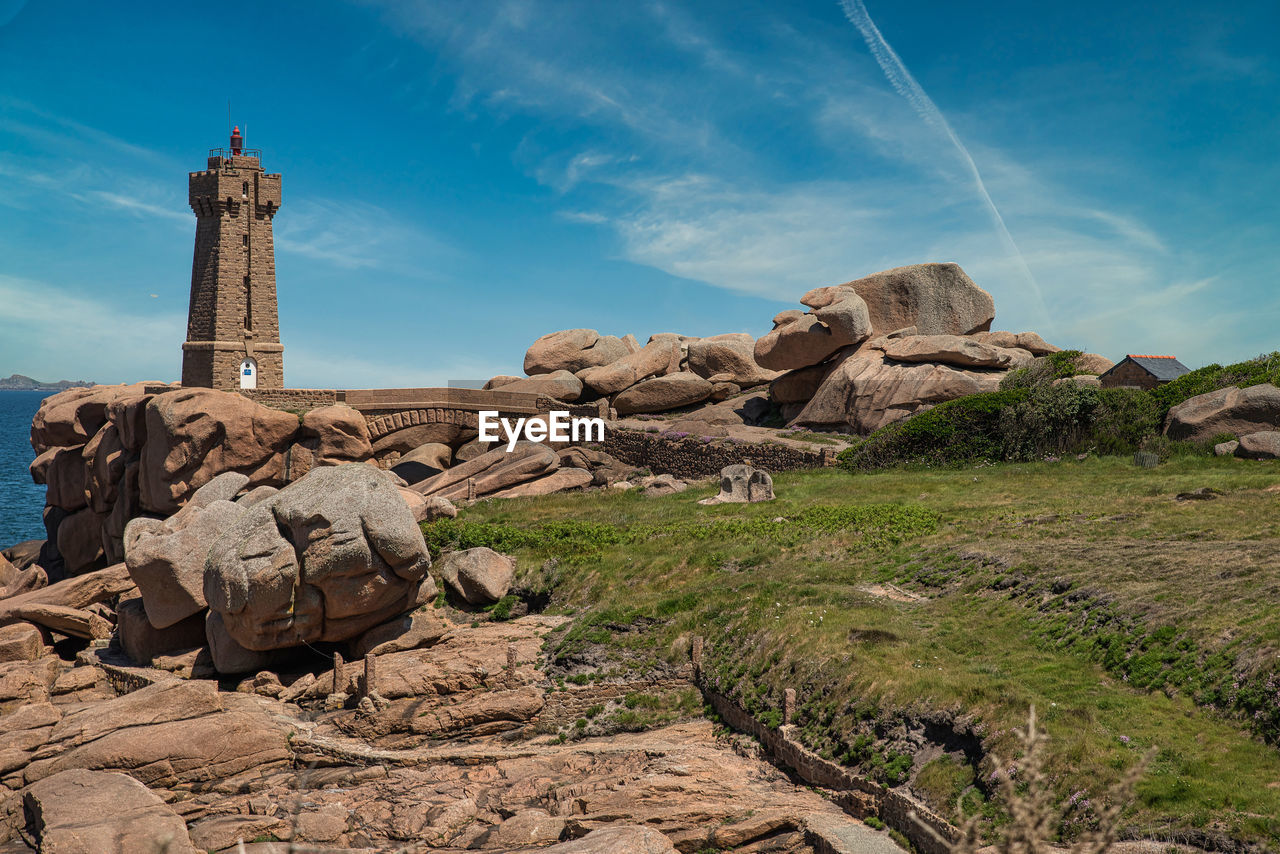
(919, 614)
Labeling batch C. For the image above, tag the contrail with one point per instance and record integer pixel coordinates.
(905, 85)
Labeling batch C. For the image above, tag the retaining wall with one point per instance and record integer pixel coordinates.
(690, 457)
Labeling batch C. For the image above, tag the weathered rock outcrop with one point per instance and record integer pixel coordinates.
(20, 642)
(427, 509)
(78, 593)
(657, 358)
(166, 558)
(193, 435)
(1263, 445)
(478, 575)
(662, 393)
(728, 358)
(619, 839)
(423, 462)
(911, 337)
(492, 472)
(324, 559)
(329, 436)
(865, 391)
(798, 343)
(1092, 363)
(742, 484)
(1238, 411)
(559, 385)
(143, 642)
(73, 417)
(170, 733)
(561, 480)
(954, 350)
(572, 350)
(103, 812)
(937, 299)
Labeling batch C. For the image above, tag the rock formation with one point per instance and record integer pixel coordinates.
(859, 356)
(742, 484)
(481, 576)
(324, 559)
(111, 454)
(1238, 411)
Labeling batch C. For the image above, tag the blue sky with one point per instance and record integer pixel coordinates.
(460, 178)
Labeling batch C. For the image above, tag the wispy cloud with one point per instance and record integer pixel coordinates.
(310, 366)
(676, 157)
(906, 85)
(134, 205)
(355, 235)
(25, 119)
(53, 333)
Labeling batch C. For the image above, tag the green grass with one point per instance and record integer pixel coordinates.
(952, 599)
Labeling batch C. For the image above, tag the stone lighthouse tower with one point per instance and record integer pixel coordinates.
(233, 331)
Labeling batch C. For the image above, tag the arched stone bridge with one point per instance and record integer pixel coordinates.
(388, 410)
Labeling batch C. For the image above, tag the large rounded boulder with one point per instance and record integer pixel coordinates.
(166, 557)
(193, 435)
(728, 358)
(324, 559)
(1238, 411)
(659, 357)
(866, 391)
(937, 299)
(572, 350)
(74, 416)
(662, 393)
(837, 318)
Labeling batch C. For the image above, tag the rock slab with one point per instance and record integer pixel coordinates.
(80, 811)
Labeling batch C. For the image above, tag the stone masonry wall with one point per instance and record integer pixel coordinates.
(690, 457)
(1129, 375)
(292, 399)
(858, 796)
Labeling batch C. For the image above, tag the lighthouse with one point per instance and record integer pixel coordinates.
(233, 327)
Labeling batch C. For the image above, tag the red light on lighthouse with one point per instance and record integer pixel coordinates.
(237, 142)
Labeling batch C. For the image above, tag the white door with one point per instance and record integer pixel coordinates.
(249, 374)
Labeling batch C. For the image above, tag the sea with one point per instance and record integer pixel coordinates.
(21, 501)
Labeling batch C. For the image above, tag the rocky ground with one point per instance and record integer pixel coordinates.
(463, 743)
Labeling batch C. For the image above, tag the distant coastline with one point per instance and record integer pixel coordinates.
(18, 382)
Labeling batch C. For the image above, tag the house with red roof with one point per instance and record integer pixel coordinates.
(1147, 372)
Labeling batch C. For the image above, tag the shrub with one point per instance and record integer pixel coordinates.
(952, 433)
(1260, 369)
(501, 610)
(1123, 419)
(1024, 423)
(1043, 371)
(1049, 420)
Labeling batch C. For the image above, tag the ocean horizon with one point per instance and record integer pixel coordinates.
(21, 500)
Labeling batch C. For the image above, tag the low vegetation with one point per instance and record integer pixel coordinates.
(1036, 415)
(1261, 369)
(1019, 424)
(919, 613)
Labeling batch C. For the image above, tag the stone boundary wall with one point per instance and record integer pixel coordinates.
(856, 795)
(690, 457)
